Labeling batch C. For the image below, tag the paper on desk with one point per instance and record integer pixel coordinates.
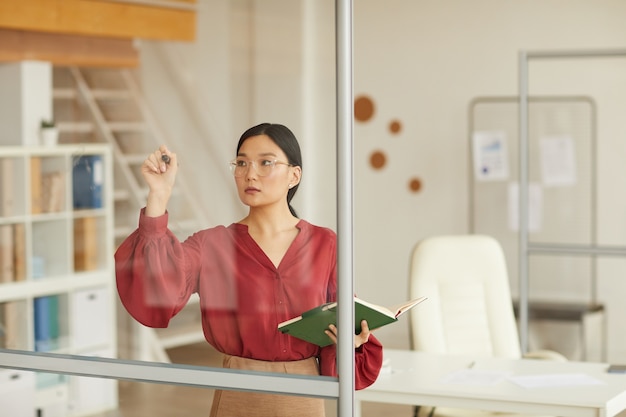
(474, 377)
(555, 380)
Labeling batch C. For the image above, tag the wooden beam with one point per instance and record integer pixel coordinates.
(101, 18)
(17, 45)
(171, 4)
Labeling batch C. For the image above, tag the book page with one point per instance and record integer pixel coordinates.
(395, 311)
(402, 308)
(381, 309)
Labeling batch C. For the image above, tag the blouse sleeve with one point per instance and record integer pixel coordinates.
(368, 360)
(151, 272)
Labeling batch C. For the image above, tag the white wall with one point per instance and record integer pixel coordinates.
(26, 91)
(422, 62)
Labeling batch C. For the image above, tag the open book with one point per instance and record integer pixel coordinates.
(311, 324)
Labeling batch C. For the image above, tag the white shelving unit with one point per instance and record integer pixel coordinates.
(57, 275)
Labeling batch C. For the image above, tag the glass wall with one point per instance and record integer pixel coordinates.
(64, 218)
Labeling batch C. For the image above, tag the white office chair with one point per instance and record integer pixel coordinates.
(469, 309)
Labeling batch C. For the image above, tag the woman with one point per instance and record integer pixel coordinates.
(264, 269)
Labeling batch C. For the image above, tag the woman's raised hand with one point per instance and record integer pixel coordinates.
(159, 171)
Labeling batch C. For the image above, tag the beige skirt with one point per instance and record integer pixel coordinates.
(254, 404)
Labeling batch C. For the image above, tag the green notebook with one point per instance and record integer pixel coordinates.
(311, 324)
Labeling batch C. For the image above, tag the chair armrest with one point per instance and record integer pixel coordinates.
(545, 354)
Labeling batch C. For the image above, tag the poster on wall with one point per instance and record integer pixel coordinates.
(535, 206)
(558, 161)
(491, 161)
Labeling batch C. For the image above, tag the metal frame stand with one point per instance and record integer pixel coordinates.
(526, 248)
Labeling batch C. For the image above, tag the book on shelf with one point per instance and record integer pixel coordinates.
(19, 251)
(47, 189)
(12, 252)
(7, 254)
(86, 244)
(7, 244)
(3, 327)
(36, 189)
(87, 181)
(310, 326)
(7, 195)
(10, 325)
(53, 195)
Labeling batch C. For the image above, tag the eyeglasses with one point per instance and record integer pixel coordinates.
(263, 167)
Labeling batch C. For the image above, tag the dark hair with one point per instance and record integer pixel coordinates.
(286, 141)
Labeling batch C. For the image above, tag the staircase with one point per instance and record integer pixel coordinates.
(106, 105)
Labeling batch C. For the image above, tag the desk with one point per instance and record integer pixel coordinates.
(416, 379)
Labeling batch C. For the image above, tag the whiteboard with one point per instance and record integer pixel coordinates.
(561, 178)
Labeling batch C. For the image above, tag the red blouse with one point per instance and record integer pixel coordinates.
(243, 296)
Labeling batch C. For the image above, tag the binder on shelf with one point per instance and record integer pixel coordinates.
(86, 244)
(87, 181)
(53, 319)
(41, 308)
(46, 310)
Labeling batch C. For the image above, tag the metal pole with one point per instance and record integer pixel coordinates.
(523, 201)
(345, 315)
(142, 371)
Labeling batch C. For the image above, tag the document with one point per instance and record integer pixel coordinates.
(558, 161)
(491, 159)
(555, 380)
(535, 207)
(475, 377)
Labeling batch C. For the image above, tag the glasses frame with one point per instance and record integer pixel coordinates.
(273, 162)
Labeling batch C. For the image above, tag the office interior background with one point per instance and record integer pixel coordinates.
(418, 68)
(420, 65)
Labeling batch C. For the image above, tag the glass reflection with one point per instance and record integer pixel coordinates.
(66, 219)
